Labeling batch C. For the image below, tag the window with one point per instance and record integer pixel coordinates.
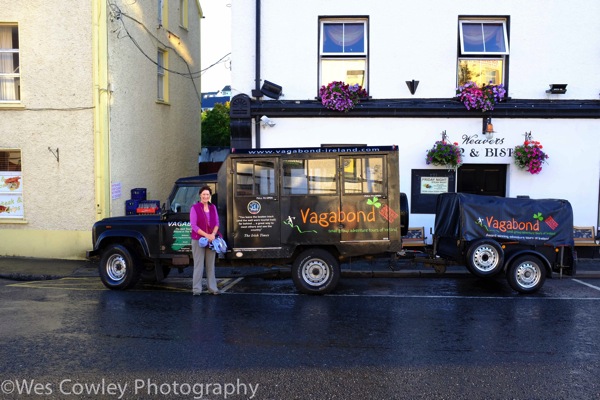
(363, 175)
(343, 51)
(10, 79)
(303, 177)
(162, 76)
(11, 184)
(183, 13)
(255, 178)
(483, 51)
(163, 15)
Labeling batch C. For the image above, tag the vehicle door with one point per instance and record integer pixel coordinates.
(364, 211)
(256, 215)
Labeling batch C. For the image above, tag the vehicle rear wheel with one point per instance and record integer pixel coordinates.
(485, 258)
(315, 271)
(526, 274)
(404, 214)
(118, 269)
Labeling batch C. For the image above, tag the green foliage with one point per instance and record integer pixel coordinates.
(215, 126)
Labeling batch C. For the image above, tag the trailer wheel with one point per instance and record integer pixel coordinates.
(485, 258)
(118, 269)
(315, 271)
(526, 274)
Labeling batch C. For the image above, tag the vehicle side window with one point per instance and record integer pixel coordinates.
(363, 174)
(317, 176)
(255, 178)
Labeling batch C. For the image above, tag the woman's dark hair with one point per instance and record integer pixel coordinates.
(205, 187)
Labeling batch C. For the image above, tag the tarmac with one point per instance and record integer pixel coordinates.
(35, 269)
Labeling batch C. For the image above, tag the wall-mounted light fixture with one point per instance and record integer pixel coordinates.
(557, 88)
(412, 86)
(488, 128)
(266, 121)
(271, 90)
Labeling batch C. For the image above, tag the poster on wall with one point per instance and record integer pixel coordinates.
(426, 185)
(11, 194)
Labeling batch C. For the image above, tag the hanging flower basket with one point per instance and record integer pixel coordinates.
(530, 156)
(480, 98)
(340, 96)
(444, 153)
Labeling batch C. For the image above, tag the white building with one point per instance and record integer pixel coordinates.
(385, 46)
(107, 102)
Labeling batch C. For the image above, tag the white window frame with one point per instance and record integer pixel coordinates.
(362, 56)
(16, 73)
(162, 76)
(183, 14)
(483, 22)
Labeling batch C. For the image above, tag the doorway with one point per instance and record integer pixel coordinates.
(486, 179)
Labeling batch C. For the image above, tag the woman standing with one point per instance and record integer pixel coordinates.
(205, 224)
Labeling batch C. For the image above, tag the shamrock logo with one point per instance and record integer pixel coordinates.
(374, 202)
(538, 216)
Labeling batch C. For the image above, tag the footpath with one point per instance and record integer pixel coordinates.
(34, 269)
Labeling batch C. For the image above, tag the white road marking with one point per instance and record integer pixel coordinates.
(586, 284)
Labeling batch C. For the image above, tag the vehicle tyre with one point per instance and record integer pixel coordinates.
(118, 269)
(315, 271)
(404, 214)
(526, 274)
(485, 258)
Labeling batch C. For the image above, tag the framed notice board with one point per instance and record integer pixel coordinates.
(426, 184)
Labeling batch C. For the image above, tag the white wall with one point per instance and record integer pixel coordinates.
(572, 172)
(549, 40)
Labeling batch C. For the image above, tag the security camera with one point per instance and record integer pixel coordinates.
(266, 121)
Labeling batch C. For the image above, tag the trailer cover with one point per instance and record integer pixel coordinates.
(528, 221)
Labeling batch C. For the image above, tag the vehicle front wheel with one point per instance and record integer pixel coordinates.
(526, 274)
(315, 271)
(485, 258)
(118, 269)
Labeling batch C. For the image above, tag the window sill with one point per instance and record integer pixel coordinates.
(16, 220)
(12, 106)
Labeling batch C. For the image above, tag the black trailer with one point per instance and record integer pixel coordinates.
(527, 239)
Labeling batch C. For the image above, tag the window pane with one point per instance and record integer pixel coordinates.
(244, 178)
(480, 71)
(363, 175)
(472, 38)
(321, 176)
(493, 35)
(351, 71)
(264, 178)
(10, 160)
(295, 177)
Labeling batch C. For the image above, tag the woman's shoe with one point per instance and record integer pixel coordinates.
(197, 293)
(215, 292)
